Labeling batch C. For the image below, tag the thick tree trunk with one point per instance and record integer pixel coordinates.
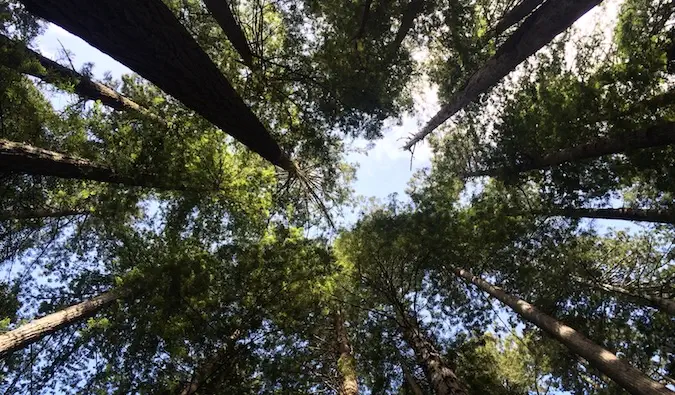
(39, 213)
(17, 56)
(631, 379)
(346, 363)
(442, 378)
(627, 213)
(413, 9)
(516, 14)
(538, 30)
(223, 15)
(655, 136)
(146, 37)
(665, 305)
(27, 159)
(29, 333)
(411, 381)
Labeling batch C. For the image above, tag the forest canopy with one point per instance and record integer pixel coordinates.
(194, 226)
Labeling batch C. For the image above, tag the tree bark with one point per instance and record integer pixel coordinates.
(442, 378)
(662, 304)
(629, 378)
(27, 159)
(413, 9)
(29, 333)
(346, 363)
(516, 14)
(538, 30)
(623, 213)
(146, 37)
(655, 136)
(24, 60)
(39, 213)
(223, 15)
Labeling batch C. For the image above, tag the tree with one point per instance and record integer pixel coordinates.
(625, 375)
(166, 39)
(538, 30)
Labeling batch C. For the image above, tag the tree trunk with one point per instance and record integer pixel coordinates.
(364, 20)
(29, 333)
(346, 363)
(17, 56)
(662, 304)
(27, 159)
(631, 379)
(655, 136)
(516, 14)
(39, 213)
(411, 381)
(413, 9)
(442, 378)
(223, 15)
(538, 30)
(146, 37)
(627, 213)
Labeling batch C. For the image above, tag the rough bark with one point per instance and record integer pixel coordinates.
(27, 159)
(413, 9)
(39, 213)
(223, 15)
(629, 378)
(663, 304)
(346, 363)
(655, 136)
(17, 56)
(536, 31)
(623, 213)
(29, 333)
(147, 37)
(440, 376)
(516, 14)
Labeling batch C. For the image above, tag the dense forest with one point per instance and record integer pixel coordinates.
(184, 229)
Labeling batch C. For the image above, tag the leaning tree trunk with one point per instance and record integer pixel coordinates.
(442, 378)
(631, 379)
(17, 56)
(223, 15)
(365, 15)
(516, 14)
(627, 213)
(148, 38)
(39, 213)
(413, 9)
(538, 30)
(346, 363)
(663, 304)
(655, 136)
(29, 333)
(27, 159)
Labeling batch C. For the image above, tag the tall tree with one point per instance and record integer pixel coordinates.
(25, 60)
(184, 64)
(625, 375)
(537, 30)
